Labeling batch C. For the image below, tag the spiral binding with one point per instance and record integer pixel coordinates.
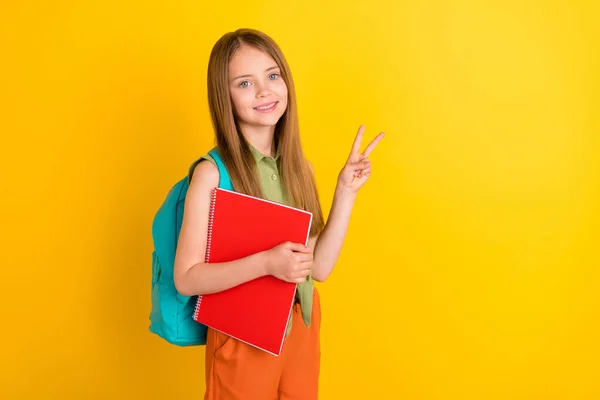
(211, 217)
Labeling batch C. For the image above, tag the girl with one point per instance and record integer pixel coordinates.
(253, 109)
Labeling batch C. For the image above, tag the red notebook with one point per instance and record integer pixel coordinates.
(254, 312)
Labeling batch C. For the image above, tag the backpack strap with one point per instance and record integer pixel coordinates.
(224, 179)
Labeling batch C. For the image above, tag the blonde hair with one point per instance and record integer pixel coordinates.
(296, 176)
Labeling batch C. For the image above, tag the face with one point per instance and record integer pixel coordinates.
(257, 89)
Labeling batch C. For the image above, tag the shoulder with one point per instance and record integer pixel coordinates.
(204, 172)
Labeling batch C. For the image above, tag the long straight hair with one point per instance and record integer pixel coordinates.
(296, 175)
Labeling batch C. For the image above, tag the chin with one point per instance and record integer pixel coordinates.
(269, 120)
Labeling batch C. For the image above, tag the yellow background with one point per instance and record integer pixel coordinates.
(470, 270)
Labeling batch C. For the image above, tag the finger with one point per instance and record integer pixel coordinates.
(302, 274)
(357, 141)
(303, 250)
(363, 164)
(372, 145)
(298, 276)
(298, 247)
(364, 176)
(306, 267)
(359, 165)
(364, 172)
(305, 257)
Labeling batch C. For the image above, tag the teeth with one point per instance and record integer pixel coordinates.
(265, 107)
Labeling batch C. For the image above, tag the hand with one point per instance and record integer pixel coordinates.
(290, 262)
(358, 167)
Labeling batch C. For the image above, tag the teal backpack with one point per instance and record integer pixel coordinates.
(171, 316)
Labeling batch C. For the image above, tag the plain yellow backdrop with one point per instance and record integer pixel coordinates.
(471, 266)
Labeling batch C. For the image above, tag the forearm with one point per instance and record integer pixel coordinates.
(203, 278)
(329, 244)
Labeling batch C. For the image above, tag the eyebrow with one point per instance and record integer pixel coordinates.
(247, 76)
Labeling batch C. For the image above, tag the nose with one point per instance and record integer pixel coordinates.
(262, 91)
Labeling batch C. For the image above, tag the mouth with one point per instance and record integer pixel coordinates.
(266, 108)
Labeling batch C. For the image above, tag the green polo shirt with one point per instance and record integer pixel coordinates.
(270, 182)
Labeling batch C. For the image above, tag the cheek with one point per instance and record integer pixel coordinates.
(240, 101)
(283, 94)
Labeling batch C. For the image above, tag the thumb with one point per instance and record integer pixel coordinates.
(299, 247)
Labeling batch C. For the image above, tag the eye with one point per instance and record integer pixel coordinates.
(273, 76)
(244, 84)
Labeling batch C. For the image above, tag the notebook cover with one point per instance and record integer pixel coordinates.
(254, 312)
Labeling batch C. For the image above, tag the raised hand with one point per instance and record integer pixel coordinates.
(357, 170)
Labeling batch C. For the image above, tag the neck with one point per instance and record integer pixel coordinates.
(261, 137)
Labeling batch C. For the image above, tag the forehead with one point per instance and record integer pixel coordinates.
(249, 60)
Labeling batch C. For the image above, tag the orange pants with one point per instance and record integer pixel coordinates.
(238, 371)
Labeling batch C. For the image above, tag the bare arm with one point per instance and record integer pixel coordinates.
(328, 246)
(191, 274)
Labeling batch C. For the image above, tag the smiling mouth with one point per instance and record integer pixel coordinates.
(266, 107)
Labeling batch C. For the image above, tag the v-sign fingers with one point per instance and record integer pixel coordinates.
(372, 145)
(357, 140)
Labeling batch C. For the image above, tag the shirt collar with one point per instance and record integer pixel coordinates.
(258, 156)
